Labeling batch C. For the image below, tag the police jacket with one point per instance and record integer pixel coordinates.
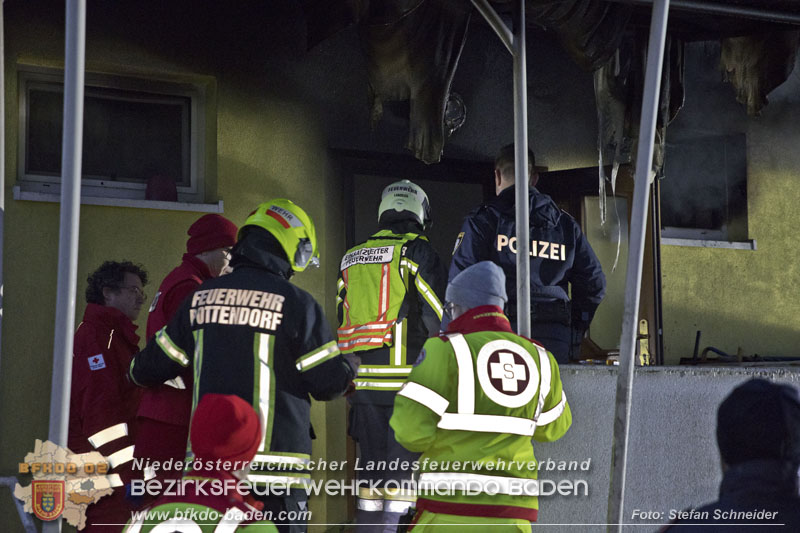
(171, 402)
(388, 304)
(102, 400)
(476, 397)
(254, 334)
(209, 503)
(766, 488)
(560, 254)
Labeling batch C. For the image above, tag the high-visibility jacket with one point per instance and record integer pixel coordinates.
(254, 334)
(103, 402)
(472, 404)
(388, 304)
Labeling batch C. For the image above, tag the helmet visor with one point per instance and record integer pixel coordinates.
(304, 255)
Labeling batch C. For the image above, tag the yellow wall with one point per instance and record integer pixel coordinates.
(268, 144)
(741, 298)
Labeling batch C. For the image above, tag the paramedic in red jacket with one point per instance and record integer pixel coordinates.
(163, 415)
(103, 401)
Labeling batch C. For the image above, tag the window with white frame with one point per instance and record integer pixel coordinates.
(141, 138)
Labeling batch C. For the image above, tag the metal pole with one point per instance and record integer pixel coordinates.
(714, 8)
(495, 22)
(2, 164)
(521, 175)
(72, 149)
(633, 283)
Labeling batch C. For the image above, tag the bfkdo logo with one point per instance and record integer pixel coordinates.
(48, 499)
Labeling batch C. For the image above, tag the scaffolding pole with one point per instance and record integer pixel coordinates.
(633, 283)
(516, 45)
(72, 149)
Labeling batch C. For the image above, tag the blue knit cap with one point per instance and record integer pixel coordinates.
(483, 283)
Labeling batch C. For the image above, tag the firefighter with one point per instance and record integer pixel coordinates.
(163, 415)
(253, 334)
(388, 304)
(102, 401)
(560, 256)
(476, 396)
(225, 432)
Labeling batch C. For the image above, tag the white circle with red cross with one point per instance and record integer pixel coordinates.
(507, 373)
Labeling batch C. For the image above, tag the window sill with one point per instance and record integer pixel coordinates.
(121, 202)
(701, 243)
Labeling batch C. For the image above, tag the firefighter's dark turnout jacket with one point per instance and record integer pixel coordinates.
(254, 334)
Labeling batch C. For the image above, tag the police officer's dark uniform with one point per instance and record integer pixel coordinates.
(561, 256)
(253, 334)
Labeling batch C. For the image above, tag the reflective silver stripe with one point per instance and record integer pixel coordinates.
(346, 345)
(384, 370)
(114, 480)
(425, 396)
(410, 265)
(230, 522)
(280, 480)
(121, 457)
(340, 284)
(149, 473)
(396, 506)
(107, 435)
(169, 348)
(136, 525)
(328, 351)
(429, 296)
(466, 374)
(366, 327)
(282, 459)
(263, 384)
(490, 484)
(176, 383)
(553, 414)
(488, 423)
(369, 505)
(544, 384)
(379, 384)
(398, 344)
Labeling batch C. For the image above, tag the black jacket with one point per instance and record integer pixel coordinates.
(253, 334)
(765, 486)
(561, 256)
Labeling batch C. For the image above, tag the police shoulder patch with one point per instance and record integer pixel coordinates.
(96, 362)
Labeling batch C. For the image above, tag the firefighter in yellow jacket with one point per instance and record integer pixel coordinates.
(476, 396)
(387, 307)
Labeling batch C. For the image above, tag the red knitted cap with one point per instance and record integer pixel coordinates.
(210, 232)
(225, 427)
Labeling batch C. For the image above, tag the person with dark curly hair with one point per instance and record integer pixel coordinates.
(103, 401)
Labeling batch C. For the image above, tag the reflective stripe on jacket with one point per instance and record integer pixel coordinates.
(387, 288)
(471, 406)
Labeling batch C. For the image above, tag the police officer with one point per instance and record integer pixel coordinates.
(475, 398)
(226, 432)
(387, 307)
(253, 334)
(560, 256)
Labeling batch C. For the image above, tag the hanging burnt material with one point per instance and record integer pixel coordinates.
(412, 51)
(756, 64)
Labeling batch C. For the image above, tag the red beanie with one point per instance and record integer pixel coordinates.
(225, 427)
(210, 232)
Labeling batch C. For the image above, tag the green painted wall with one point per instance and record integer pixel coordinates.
(740, 298)
(268, 144)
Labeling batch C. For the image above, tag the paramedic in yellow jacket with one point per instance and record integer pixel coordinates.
(476, 396)
(388, 305)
